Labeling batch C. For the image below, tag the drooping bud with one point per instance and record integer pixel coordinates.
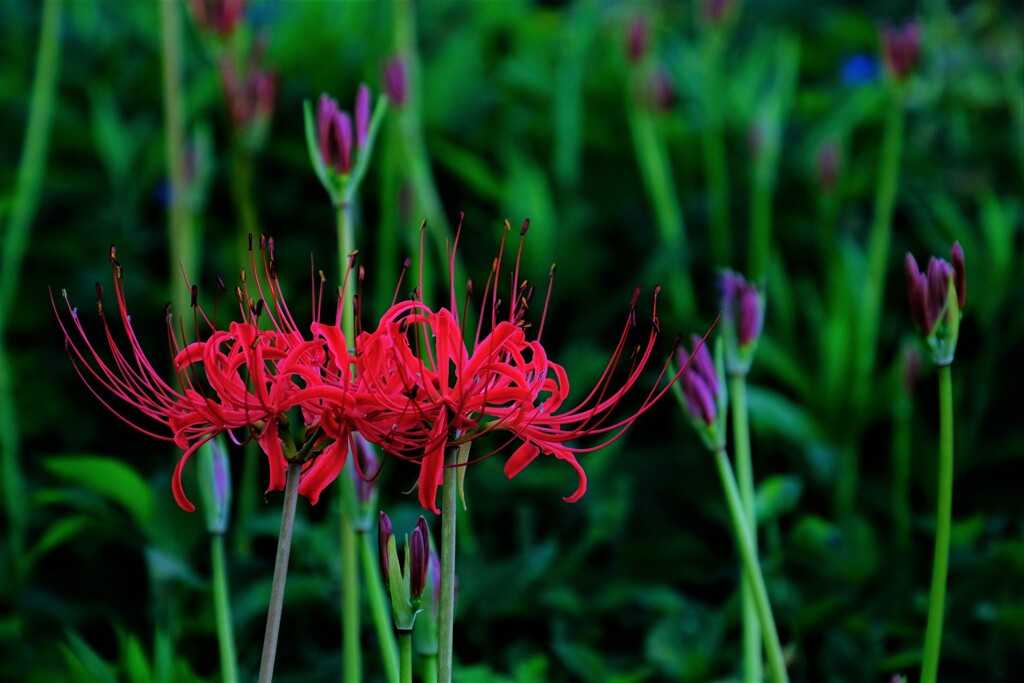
(936, 299)
(901, 48)
(215, 485)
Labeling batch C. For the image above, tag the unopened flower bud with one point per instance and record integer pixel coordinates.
(419, 556)
(743, 318)
(215, 485)
(394, 81)
(362, 115)
(637, 39)
(901, 48)
(936, 299)
(384, 534)
(703, 390)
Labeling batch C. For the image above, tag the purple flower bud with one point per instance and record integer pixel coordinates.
(663, 91)
(637, 39)
(394, 81)
(326, 111)
(827, 166)
(917, 291)
(419, 557)
(362, 115)
(343, 130)
(901, 48)
(367, 468)
(939, 274)
(384, 533)
(699, 399)
(959, 273)
(741, 303)
(715, 11)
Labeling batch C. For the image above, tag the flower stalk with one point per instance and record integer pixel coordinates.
(943, 521)
(752, 569)
(446, 612)
(284, 544)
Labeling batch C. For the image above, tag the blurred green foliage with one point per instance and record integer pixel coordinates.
(525, 111)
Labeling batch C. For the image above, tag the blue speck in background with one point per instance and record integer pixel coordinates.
(859, 69)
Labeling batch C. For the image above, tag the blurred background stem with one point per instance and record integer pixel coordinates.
(656, 172)
(379, 607)
(943, 520)
(713, 146)
(222, 609)
(874, 291)
(15, 242)
(752, 670)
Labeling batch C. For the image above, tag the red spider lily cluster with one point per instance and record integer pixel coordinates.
(415, 385)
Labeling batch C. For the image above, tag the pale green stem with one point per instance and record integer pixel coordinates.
(284, 545)
(874, 289)
(752, 668)
(15, 242)
(346, 245)
(350, 617)
(222, 610)
(405, 648)
(379, 607)
(446, 612)
(943, 520)
(752, 568)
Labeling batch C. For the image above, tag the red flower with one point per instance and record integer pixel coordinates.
(430, 389)
(243, 378)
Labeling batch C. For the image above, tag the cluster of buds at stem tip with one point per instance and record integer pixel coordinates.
(901, 49)
(703, 391)
(742, 320)
(937, 299)
(404, 583)
(339, 141)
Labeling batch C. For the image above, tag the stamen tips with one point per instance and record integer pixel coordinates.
(526, 226)
(195, 295)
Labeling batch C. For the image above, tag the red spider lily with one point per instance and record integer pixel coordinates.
(434, 390)
(246, 378)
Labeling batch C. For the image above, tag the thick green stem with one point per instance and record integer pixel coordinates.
(943, 520)
(346, 245)
(752, 669)
(752, 568)
(874, 290)
(405, 648)
(379, 608)
(660, 185)
(446, 612)
(15, 242)
(222, 610)
(284, 545)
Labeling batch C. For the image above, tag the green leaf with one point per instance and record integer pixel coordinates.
(84, 663)
(777, 495)
(110, 478)
(133, 656)
(59, 532)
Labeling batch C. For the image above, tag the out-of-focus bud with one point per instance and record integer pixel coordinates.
(910, 368)
(901, 48)
(637, 40)
(936, 301)
(394, 81)
(828, 166)
(384, 535)
(742, 320)
(663, 91)
(215, 485)
(362, 115)
(250, 97)
(221, 17)
(716, 11)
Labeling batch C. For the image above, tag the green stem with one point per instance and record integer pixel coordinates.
(248, 487)
(745, 544)
(379, 607)
(943, 519)
(410, 122)
(874, 289)
(713, 145)
(446, 612)
(180, 230)
(222, 610)
(242, 191)
(284, 545)
(15, 242)
(346, 245)
(660, 185)
(405, 648)
(350, 622)
(429, 668)
(752, 669)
